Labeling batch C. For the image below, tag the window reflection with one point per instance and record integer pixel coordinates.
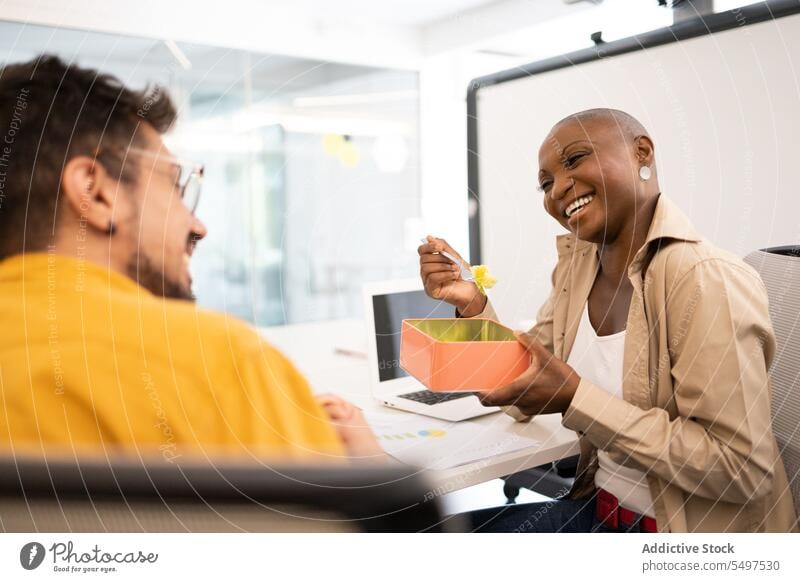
(312, 169)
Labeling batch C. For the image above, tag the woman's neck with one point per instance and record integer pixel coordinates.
(616, 256)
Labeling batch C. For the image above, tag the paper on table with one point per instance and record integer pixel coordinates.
(438, 444)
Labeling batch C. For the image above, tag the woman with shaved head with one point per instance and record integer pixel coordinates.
(654, 345)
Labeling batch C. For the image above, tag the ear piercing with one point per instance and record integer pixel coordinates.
(645, 173)
(112, 228)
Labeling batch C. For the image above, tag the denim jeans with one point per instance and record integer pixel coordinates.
(566, 515)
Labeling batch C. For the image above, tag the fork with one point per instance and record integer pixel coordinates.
(466, 273)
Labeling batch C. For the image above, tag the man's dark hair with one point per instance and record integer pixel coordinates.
(50, 112)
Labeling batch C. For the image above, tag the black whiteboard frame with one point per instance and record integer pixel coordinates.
(701, 26)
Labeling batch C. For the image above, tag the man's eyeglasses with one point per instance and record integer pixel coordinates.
(189, 180)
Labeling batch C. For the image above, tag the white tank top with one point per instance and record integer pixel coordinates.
(599, 360)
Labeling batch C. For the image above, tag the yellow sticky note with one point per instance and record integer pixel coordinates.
(483, 279)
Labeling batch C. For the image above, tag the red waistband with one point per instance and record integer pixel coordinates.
(610, 513)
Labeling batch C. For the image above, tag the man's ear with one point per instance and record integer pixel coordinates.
(90, 192)
(645, 150)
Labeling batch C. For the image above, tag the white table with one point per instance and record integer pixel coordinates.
(312, 349)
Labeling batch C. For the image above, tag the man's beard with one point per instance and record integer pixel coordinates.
(141, 270)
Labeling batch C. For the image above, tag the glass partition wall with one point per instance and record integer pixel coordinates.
(312, 168)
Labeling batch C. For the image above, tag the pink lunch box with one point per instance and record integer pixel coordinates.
(449, 355)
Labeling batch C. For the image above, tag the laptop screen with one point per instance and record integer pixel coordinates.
(389, 311)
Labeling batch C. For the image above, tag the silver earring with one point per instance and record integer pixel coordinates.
(645, 173)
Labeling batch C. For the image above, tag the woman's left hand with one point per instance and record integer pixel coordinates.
(547, 386)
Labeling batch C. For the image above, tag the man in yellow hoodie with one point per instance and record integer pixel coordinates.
(101, 344)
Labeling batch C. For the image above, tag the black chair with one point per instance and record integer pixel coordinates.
(552, 480)
(129, 495)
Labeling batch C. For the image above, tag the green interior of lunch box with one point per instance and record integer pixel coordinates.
(463, 330)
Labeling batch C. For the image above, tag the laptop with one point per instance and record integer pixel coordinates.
(386, 305)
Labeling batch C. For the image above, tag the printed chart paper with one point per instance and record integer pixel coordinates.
(431, 443)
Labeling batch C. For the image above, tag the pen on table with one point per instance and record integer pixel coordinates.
(349, 352)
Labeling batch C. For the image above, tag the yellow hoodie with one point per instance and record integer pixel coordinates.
(89, 359)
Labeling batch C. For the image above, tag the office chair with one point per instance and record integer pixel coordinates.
(779, 268)
(131, 495)
(552, 480)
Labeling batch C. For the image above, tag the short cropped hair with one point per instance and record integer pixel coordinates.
(627, 124)
(51, 112)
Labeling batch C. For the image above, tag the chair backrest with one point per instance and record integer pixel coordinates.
(779, 268)
(129, 495)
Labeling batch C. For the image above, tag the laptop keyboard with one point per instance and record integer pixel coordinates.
(430, 397)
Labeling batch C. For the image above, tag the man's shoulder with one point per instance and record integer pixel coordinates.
(212, 328)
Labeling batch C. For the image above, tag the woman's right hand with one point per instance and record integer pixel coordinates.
(442, 278)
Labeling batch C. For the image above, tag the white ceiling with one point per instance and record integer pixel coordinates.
(394, 12)
(376, 33)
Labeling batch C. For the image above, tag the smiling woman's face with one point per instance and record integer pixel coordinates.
(589, 175)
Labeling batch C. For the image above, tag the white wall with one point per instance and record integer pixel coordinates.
(491, 38)
(722, 110)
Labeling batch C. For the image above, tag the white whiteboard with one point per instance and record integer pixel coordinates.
(724, 113)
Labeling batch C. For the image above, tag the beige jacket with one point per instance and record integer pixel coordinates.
(695, 413)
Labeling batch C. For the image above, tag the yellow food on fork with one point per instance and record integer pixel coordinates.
(483, 279)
